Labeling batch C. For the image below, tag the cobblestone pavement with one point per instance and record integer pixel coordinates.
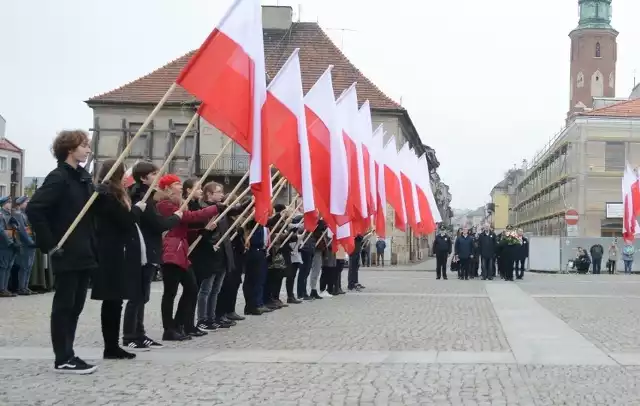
(407, 340)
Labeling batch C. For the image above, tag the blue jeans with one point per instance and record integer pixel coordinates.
(7, 258)
(25, 261)
(627, 266)
(208, 296)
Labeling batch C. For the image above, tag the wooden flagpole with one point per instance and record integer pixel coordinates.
(322, 236)
(204, 176)
(273, 199)
(167, 161)
(118, 162)
(216, 219)
(284, 226)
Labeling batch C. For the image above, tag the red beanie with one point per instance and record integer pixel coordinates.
(168, 180)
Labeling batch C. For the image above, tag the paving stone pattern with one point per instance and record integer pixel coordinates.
(408, 313)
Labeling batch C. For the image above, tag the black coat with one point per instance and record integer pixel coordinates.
(442, 244)
(523, 252)
(464, 247)
(152, 224)
(119, 275)
(207, 261)
(487, 243)
(52, 209)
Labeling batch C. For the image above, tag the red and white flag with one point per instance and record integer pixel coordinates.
(285, 127)
(377, 151)
(429, 213)
(127, 179)
(328, 157)
(228, 76)
(631, 203)
(366, 135)
(348, 112)
(409, 187)
(393, 184)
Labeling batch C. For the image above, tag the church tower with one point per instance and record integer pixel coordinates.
(593, 55)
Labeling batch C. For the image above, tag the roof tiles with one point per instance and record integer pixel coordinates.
(317, 51)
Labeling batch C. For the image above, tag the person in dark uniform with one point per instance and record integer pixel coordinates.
(523, 254)
(510, 245)
(487, 245)
(442, 246)
(464, 251)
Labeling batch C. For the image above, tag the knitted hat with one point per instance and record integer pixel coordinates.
(21, 200)
(168, 180)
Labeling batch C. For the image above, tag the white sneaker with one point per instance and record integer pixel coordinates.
(325, 294)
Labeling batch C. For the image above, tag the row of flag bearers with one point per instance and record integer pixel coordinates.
(323, 147)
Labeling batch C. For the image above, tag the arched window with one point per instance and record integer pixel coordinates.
(597, 50)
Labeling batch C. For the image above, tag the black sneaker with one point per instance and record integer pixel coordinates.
(154, 345)
(207, 325)
(75, 366)
(135, 345)
(173, 335)
(234, 316)
(117, 353)
(359, 286)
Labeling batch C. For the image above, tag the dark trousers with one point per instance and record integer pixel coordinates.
(253, 279)
(366, 258)
(291, 278)
(597, 265)
(273, 285)
(303, 275)
(519, 268)
(338, 275)
(380, 258)
(463, 270)
(229, 293)
(68, 302)
(487, 267)
(110, 315)
(611, 266)
(441, 264)
(172, 276)
(328, 278)
(133, 323)
(507, 264)
(354, 267)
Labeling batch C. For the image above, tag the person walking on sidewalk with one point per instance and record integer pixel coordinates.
(442, 249)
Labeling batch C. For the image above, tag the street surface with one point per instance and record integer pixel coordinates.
(408, 339)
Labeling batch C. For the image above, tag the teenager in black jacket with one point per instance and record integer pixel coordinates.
(152, 225)
(53, 207)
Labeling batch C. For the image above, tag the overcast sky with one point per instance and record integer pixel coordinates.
(485, 82)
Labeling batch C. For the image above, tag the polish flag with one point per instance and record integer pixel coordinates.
(410, 194)
(377, 152)
(329, 169)
(631, 202)
(393, 184)
(366, 135)
(348, 111)
(429, 213)
(227, 75)
(127, 179)
(285, 127)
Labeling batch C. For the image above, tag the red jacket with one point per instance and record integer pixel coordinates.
(175, 247)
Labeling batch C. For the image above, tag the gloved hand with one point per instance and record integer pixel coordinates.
(221, 207)
(141, 205)
(102, 189)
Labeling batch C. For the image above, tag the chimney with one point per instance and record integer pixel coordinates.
(277, 17)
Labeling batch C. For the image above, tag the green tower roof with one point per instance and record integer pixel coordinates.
(595, 14)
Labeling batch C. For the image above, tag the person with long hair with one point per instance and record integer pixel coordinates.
(121, 255)
(176, 269)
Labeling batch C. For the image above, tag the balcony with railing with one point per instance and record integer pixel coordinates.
(228, 164)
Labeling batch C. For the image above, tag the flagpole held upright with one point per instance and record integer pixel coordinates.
(115, 166)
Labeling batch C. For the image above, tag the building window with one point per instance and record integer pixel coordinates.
(614, 156)
(597, 50)
(3, 190)
(139, 148)
(187, 145)
(3, 164)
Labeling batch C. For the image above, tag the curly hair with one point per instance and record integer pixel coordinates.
(66, 141)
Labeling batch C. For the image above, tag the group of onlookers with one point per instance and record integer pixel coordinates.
(473, 251)
(593, 258)
(17, 248)
(130, 235)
